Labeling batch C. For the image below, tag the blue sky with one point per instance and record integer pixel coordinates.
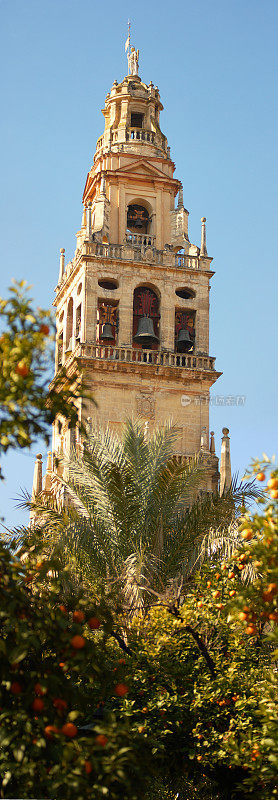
(216, 67)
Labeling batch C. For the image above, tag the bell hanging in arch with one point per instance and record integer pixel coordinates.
(145, 332)
(107, 332)
(184, 343)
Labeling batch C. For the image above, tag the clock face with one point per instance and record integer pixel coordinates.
(137, 218)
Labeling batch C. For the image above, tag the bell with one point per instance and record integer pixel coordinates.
(107, 332)
(145, 332)
(184, 342)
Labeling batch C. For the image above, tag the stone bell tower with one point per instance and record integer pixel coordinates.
(133, 303)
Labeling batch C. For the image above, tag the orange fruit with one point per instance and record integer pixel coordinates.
(101, 739)
(200, 604)
(121, 689)
(94, 623)
(232, 592)
(88, 767)
(44, 329)
(270, 591)
(22, 369)
(63, 609)
(274, 616)
(251, 630)
(260, 476)
(216, 594)
(78, 642)
(272, 483)
(274, 494)
(39, 690)
(50, 730)
(208, 584)
(231, 574)
(247, 534)
(16, 687)
(38, 705)
(78, 616)
(69, 730)
(242, 616)
(60, 704)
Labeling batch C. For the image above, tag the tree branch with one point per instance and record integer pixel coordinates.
(202, 647)
(121, 643)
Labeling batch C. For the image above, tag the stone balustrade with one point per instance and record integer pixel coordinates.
(140, 239)
(133, 355)
(140, 248)
(130, 135)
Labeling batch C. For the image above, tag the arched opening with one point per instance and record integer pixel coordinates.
(69, 325)
(146, 318)
(139, 223)
(78, 322)
(107, 321)
(138, 218)
(184, 330)
(60, 343)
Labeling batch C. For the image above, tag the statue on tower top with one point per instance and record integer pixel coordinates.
(132, 56)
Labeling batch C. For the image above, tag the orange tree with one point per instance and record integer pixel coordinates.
(28, 405)
(201, 675)
(54, 676)
(180, 699)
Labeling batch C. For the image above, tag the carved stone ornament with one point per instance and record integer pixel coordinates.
(146, 405)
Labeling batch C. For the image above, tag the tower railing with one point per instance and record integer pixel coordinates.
(135, 249)
(133, 355)
(140, 239)
(131, 135)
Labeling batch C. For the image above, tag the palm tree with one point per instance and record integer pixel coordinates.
(130, 522)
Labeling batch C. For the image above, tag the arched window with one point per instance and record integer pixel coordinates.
(146, 318)
(69, 325)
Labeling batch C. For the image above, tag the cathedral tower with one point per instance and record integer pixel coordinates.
(133, 304)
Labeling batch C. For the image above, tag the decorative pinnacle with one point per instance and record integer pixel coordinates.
(203, 249)
(62, 265)
(212, 442)
(225, 463)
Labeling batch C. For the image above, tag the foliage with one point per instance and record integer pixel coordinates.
(201, 687)
(53, 671)
(28, 404)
